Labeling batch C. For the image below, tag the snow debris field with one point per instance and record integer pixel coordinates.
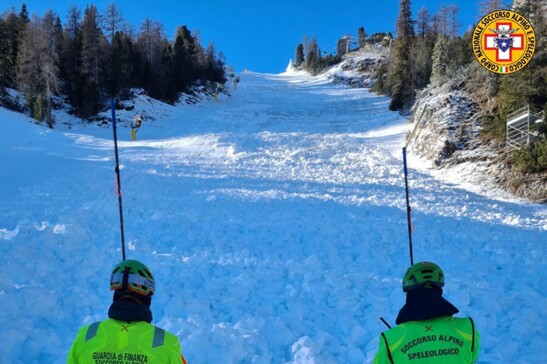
(274, 222)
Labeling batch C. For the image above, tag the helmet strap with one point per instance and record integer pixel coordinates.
(125, 280)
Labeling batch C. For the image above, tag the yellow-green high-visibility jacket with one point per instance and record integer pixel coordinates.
(118, 342)
(444, 340)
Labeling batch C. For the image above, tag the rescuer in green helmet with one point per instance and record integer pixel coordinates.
(128, 335)
(426, 331)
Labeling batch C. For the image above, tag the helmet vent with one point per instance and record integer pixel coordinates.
(427, 273)
(144, 273)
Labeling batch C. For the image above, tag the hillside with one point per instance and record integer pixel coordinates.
(446, 130)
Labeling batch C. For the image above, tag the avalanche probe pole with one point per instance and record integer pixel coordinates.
(408, 209)
(118, 183)
(385, 323)
(409, 219)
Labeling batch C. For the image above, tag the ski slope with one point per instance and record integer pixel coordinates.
(274, 222)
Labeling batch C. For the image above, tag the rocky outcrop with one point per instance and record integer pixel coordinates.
(447, 131)
(445, 121)
(359, 68)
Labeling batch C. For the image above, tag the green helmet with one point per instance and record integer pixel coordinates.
(421, 274)
(133, 276)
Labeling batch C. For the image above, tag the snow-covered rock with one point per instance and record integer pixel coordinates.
(445, 121)
(445, 134)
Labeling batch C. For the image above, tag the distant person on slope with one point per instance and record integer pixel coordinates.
(426, 331)
(128, 336)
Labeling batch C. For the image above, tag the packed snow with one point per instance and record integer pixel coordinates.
(274, 221)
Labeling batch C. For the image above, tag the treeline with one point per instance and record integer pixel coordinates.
(94, 57)
(426, 50)
(308, 55)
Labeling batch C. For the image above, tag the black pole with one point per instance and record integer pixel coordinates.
(408, 210)
(385, 323)
(118, 183)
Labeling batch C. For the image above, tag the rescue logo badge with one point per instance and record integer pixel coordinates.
(504, 42)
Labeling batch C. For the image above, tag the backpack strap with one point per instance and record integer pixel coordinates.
(159, 337)
(92, 331)
(472, 334)
(387, 348)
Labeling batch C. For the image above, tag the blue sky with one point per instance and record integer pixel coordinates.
(261, 35)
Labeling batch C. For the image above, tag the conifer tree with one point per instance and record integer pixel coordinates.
(440, 60)
(5, 59)
(423, 48)
(152, 44)
(14, 27)
(23, 16)
(201, 63)
(214, 70)
(71, 59)
(93, 45)
(22, 22)
(21, 26)
(164, 85)
(299, 55)
(121, 64)
(361, 37)
(58, 36)
(401, 77)
(341, 46)
(184, 59)
(313, 54)
(38, 108)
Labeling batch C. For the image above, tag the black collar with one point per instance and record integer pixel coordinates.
(129, 311)
(425, 304)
